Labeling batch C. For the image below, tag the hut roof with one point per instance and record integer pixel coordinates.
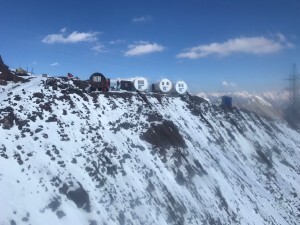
(97, 74)
(94, 77)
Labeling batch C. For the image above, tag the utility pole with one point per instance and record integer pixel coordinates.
(292, 113)
(294, 88)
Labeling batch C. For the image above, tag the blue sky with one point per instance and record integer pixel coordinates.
(212, 45)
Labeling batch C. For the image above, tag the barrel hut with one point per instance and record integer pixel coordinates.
(164, 85)
(99, 82)
(180, 87)
(140, 84)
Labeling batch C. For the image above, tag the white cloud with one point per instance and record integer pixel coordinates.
(98, 48)
(281, 37)
(63, 30)
(74, 37)
(141, 19)
(34, 62)
(117, 42)
(143, 48)
(228, 84)
(55, 64)
(284, 41)
(250, 45)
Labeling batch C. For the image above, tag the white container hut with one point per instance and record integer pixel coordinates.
(164, 85)
(140, 84)
(181, 87)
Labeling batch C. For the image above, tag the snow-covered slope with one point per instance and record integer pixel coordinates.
(270, 104)
(67, 157)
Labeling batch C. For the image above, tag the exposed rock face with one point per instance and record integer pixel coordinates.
(6, 75)
(68, 157)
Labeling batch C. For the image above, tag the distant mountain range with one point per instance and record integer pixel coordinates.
(270, 104)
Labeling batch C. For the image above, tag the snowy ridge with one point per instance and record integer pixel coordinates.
(67, 157)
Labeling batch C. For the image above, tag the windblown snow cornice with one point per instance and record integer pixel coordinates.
(68, 157)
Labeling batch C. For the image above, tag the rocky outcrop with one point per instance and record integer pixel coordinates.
(6, 75)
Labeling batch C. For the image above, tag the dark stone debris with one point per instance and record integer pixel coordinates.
(79, 196)
(164, 135)
(38, 95)
(52, 118)
(60, 214)
(54, 203)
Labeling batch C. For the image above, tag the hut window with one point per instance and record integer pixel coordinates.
(140, 82)
(163, 83)
(167, 83)
(97, 79)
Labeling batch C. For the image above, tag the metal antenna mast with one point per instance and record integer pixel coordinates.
(294, 88)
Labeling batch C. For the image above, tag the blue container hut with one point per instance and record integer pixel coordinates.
(226, 102)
